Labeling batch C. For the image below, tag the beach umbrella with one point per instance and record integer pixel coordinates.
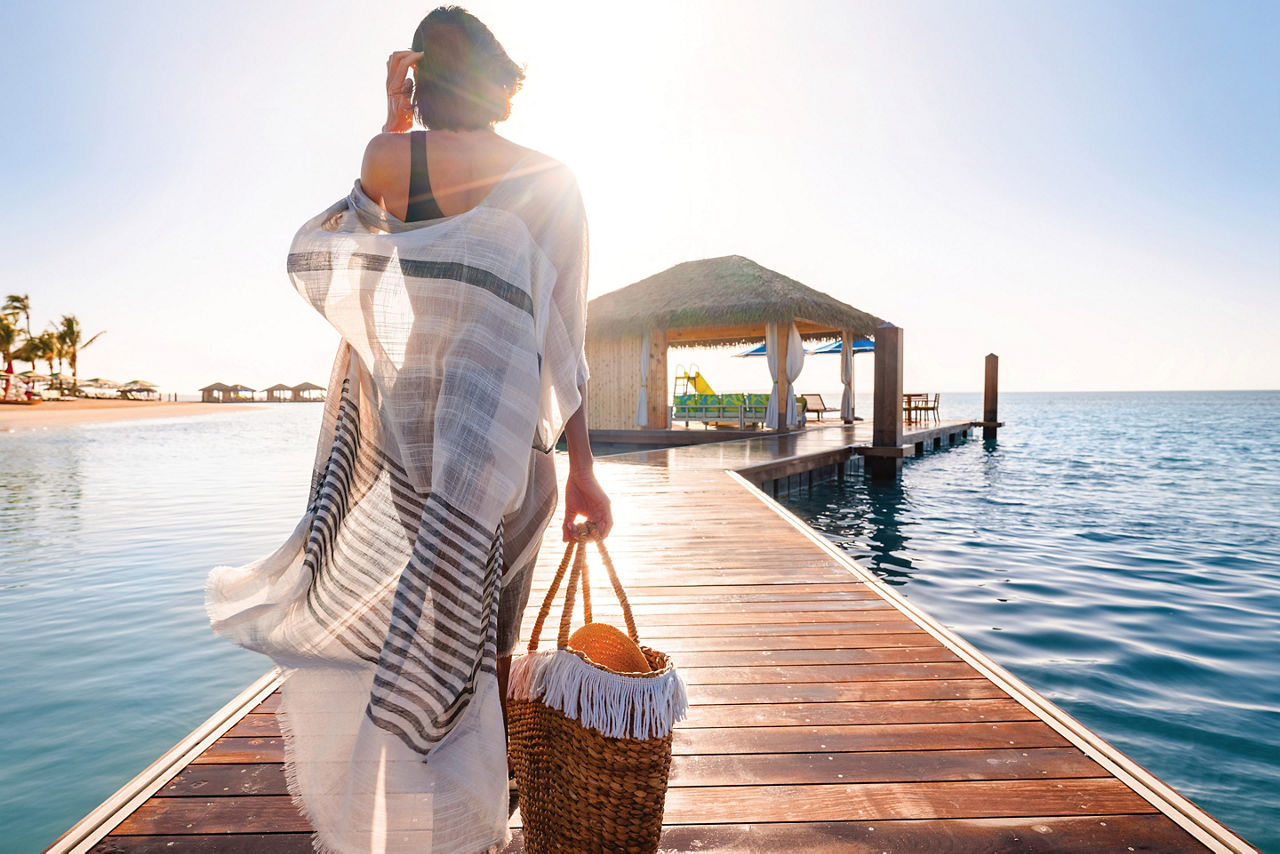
(99, 382)
(862, 345)
(138, 385)
(34, 377)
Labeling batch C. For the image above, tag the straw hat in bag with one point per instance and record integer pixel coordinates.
(590, 726)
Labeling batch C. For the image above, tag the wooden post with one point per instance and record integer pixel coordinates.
(885, 461)
(656, 385)
(784, 384)
(990, 394)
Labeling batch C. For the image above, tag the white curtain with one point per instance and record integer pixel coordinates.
(642, 407)
(771, 356)
(795, 362)
(846, 377)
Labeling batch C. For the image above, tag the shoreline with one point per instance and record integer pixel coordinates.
(55, 414)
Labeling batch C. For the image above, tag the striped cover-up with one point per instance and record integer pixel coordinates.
(461, 358)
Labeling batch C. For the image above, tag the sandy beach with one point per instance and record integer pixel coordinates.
(68, 413)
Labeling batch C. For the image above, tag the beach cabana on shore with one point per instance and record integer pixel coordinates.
(216, 393)
(714, 302)
(307, 392)
(279, 393)
(139, 388)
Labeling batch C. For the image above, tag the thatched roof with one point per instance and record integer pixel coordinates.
(307, 387)
(217, 387)
(722, 301)
(279, 387)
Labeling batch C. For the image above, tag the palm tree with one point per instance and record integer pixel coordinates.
(70, 336)
(16, 304)
(47, 345)
(9, 335)
(34, 349)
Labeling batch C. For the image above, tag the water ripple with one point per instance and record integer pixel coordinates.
(1123, 563)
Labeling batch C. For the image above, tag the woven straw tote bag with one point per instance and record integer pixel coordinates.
(591, 744)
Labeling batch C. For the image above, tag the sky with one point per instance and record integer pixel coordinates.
(1090, 190)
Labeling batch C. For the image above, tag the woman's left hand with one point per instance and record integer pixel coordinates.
(583, 496)
(400, 91)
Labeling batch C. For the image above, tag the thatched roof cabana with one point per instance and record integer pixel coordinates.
(308, 392)
(723, 301)
(707, 303)
(142, 387)
(278, 393)
(215, 393)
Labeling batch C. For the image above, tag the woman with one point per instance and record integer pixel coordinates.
(456, 273)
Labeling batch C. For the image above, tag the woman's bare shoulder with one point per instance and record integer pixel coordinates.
(385, 164)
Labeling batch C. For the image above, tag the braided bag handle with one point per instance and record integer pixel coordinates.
(575, 553)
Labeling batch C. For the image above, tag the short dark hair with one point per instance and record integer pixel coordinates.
(465, 80)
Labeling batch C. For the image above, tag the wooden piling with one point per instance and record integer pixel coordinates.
(990, 396)
(884, 457)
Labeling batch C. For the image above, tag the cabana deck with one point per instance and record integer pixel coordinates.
(828, 714)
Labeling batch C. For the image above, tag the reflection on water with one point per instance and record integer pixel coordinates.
(106, 534)
(1118, 560)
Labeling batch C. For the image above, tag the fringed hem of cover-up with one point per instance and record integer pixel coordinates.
(319, 843)
(613, 704)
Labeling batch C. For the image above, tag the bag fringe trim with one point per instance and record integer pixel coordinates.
(613, 704)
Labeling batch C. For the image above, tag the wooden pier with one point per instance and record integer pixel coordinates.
(827, 713)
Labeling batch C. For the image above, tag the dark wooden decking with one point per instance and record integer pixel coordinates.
(827, 714)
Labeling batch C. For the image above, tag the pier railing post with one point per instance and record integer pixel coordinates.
(885, 458)
(990, 397)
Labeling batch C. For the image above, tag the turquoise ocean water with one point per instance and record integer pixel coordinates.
(1119, 552)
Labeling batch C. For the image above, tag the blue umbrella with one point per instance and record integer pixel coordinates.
(862, 345)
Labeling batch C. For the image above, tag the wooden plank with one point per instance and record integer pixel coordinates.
(779, 592)
(794, 642)
(940, 689)
(217, 781)
(225, 843)
(865, 737)
(256, 725)
(882, 801)
(242, 751)
(1033, 835)
(785, 714)
(876, 626)
(907, 670)
(824, 714)
(270, 705)
(763, 609)
(882, 767)
(748, 659)
(184, 816)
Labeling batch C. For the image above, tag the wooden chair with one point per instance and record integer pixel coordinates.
(928, 407)
(813, 405)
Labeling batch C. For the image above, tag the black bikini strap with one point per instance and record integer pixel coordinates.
(422, 204)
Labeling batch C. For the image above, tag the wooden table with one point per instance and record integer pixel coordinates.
(911, 404)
